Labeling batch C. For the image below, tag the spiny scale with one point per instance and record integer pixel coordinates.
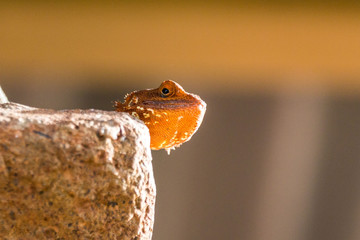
(171, 114)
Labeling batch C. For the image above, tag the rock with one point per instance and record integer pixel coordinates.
(74, 174)
(3, 98)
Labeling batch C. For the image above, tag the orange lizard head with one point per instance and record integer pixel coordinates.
(171, 114)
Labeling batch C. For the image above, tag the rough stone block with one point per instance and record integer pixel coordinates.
(74, 174)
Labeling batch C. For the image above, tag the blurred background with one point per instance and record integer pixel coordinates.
(278, 154)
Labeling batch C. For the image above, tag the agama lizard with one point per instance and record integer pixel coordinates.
(171, 114)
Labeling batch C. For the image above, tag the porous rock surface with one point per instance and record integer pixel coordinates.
(74, 174)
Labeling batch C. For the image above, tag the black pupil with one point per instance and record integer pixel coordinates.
(165, 91)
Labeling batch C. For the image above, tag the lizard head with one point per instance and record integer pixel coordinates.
(171, 114)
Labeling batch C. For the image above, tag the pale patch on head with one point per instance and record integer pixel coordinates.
(146, 115)
(140, 108)
(132, 101)
(135, 99)
(135, 114)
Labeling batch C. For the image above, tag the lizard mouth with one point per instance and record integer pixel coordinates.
(172, 104)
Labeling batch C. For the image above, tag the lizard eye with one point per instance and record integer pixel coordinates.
(167, 89)
(165, 92)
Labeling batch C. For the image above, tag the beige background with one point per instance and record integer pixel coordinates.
(277, 156)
